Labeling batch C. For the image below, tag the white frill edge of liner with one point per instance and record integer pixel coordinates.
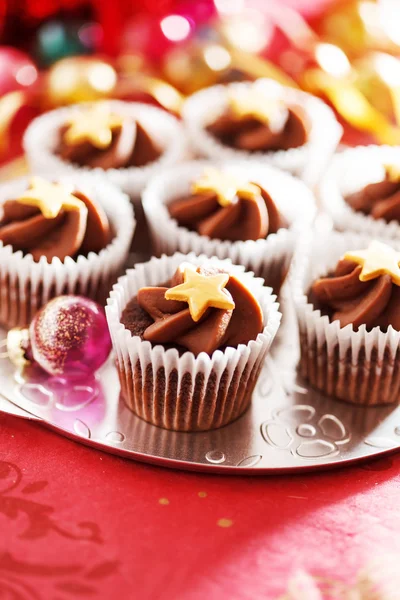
(41, 138)
(130, 349)
(318, 260)
(88, 270)
(292, 197)
(307, 161)
(350, 171)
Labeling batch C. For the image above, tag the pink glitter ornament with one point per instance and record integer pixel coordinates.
(69, 337)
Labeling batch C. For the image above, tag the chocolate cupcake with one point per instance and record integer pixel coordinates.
(249, 213)
(190, 335)
(265, 121)
(347, 305)
(96, 137)
(129, 141)
(71, 236)
(361, 191)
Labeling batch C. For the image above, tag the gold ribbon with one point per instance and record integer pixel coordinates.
(10, 104)
(352, 105)
(164, 93)
(259, 67)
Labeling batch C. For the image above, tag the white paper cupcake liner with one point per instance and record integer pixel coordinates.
(350, 171)
(186, 393)
(307, 161)
(362, 367)
(42, 136)
(268, 258)
(26, 285)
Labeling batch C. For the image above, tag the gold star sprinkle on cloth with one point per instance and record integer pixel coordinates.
(378, 259)
(225, 186)
(392, 172)
(254, 103)
(94, 124)
(202, 292)
(50, 198)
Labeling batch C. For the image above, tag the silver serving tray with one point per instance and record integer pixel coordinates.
(289, 427)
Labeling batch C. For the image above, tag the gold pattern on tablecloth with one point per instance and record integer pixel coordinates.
(225, 523)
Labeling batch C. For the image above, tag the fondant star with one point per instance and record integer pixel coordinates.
(253, 103)
(392, 172)
(202, 292)
(94, 124)
(225, 186)
(50, 198)
(378, 259)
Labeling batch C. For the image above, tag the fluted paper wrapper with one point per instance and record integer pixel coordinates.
(268, 258)
(42, 137)
(186, 393)
(26, 285)
(362, 367)
(307, 161)
(349, 172)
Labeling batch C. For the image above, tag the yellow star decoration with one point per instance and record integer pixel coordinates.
(49, 197)
(392, 172)
(378, 259)
(253, 103)
(94, 124)
(225, 186)
(202, 292)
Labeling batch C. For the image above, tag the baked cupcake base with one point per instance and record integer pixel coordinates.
(185, 392)
(203, 404)
(375, 380)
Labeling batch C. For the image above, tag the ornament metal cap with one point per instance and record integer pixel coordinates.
(17, 346)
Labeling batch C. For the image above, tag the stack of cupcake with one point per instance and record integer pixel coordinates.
(192, 326)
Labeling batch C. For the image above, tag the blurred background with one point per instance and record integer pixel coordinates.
(54, 53)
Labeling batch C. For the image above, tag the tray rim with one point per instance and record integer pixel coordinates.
(196, 467)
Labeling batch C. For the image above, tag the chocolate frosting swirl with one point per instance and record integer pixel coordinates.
(245, 219)
(343, 297)
(169, 322)
(381, 200)
(131, 146)
(70, 233)
(250, 134)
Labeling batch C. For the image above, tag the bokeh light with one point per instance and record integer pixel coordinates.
(175, 28)
(229, 7)
(26, 75)
(388, 68)
(249, 31)
(332, 60)
(217, 57)
(102, 77)
(389, 16)
(91, 35)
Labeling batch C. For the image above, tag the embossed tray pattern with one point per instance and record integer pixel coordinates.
(289, 426)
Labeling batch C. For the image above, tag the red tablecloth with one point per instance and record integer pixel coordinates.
(75, 523)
